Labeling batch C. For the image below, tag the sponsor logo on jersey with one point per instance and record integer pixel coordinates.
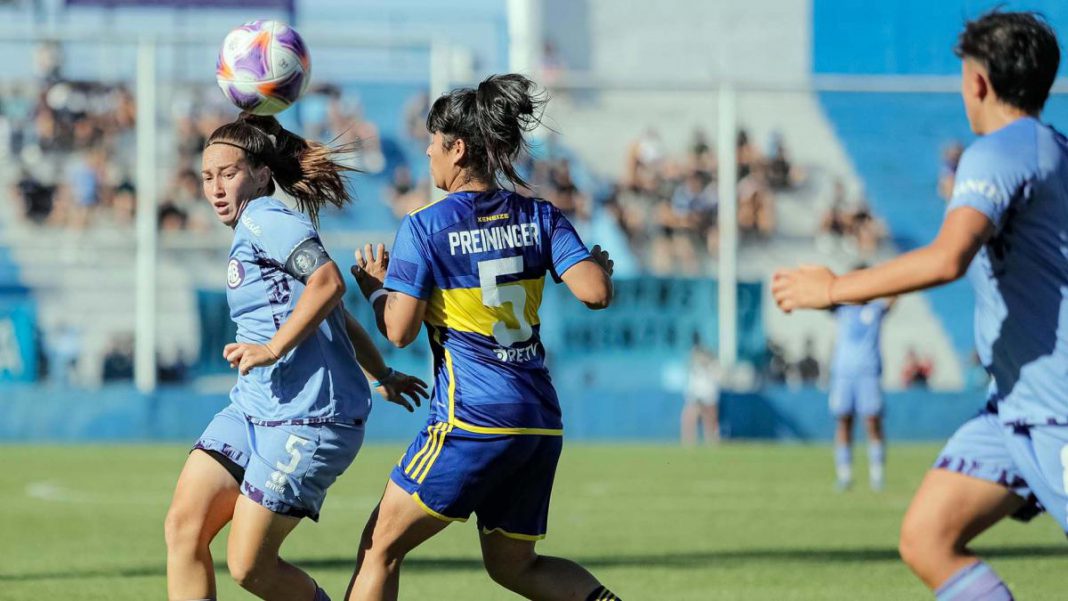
(519, 354)
(235, 273)
(251, 225)
(489, 218)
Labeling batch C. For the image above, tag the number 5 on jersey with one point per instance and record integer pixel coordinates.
(497, 296)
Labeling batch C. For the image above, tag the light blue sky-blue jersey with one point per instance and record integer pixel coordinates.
(856, 348)
(319, 380)
(1018, 177)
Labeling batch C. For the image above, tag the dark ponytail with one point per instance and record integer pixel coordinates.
(306, 170)
(491, 120)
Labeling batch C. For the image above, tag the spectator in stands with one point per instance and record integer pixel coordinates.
(415, 112)
(404, 194)
(645, 158)
(756, 204)
(782, 173)
(947, 172)
(64, 350)
(807, 370)
(552, 63)
(777, 368)
(564, 194)
(36, 197)
(746, 154)
(702, 155)
(917, 371)
(868, 232)
(119, 361)
(687, 218)
(702, 396)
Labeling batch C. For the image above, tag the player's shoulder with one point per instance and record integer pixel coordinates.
(270, 213)
(441, 213)
(1012, 147)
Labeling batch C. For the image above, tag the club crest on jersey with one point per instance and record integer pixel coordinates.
(235, 274)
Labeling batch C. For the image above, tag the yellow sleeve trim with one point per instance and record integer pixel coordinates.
(433, 513)
(486, 430)
(426, 206)
(513, 535)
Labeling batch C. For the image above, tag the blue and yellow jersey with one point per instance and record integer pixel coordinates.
(479, 259)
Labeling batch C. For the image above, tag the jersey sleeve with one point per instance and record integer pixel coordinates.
(988, 180)
(565, 245)
(409, 263)
(279, 233)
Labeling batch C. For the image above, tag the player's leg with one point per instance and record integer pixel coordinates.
(252, 554)
(841, 403)
(203, 503)
(876, 451)
(513, 564)
(514, 515)
(287, 477)
(947, 512)
(974, 485)
(396, 526)
(843, 451)
(710, 421)
(870, 405)
(688, 423)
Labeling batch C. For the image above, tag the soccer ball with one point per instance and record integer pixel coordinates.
(263, 67)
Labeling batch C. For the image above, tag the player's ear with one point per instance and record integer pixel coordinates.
(458, 150)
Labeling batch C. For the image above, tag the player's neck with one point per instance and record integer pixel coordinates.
(1000, 115)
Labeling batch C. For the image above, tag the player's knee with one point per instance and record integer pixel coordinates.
(506, 570)
(249, 572)
(181, 529)
(920, 542)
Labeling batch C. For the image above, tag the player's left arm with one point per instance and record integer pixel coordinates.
(322, 293)
(398, 315)
(944, 260)
(391, 384)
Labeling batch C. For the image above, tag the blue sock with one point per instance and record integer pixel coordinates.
(843, 462)
(976, 582)
(876, 462)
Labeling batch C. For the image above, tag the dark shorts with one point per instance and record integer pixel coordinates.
(505, 479)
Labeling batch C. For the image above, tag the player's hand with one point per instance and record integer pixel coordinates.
(600, 256)
(396, 386)
(245, 356)
(807, 287)
(370, 268)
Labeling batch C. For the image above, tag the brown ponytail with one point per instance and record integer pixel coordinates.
(306, 170)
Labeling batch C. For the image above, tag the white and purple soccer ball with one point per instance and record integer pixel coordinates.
(263, 67)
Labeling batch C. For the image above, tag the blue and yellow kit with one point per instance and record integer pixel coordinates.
(479, 260)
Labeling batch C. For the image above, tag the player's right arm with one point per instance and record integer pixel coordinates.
(588, 275)
(986, 185)
(590, 280)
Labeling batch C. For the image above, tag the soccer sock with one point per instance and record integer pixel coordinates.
(843, 462)
(876, 461)
(976, 582)
(602, 593)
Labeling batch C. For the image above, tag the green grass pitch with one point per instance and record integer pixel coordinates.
(740, 521)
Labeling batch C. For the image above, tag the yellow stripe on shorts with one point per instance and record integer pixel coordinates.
(434, 457)
(422, 451)
(435, 438)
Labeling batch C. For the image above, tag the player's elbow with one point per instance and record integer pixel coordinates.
(597, 294)
(599, 301)
(950, 268)
(400, 336)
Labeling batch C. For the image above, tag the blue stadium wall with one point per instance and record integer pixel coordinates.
(120, 414)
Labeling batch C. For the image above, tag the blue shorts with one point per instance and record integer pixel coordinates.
(856, 395)
(286, 468)
(1031, 461)
(504, 479)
